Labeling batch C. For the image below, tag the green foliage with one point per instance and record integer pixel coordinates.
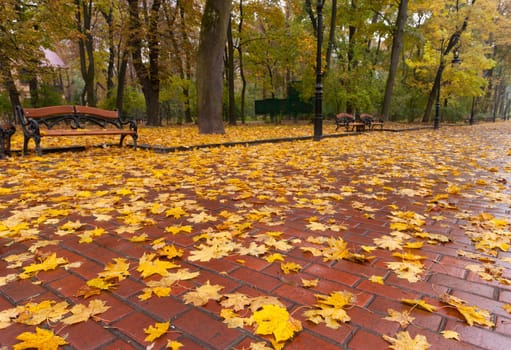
(133, 103)
(5, 107)
(49, 96)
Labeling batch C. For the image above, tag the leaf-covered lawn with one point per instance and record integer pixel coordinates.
(188, 135)
(386, 225)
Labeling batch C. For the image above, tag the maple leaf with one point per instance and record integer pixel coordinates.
(201, 218)
(170, 252)
(289, 267)
(70, 226)
(174, 345)
(259, 346)
(274, 257)
(232, 319)
(179, 228)
(403, 318)
(162, 291)
(310, 283)
(400, 226)
(203, 294)
(388, 242)
(377, 279)
(337, 250)
(330, 309)
(421, 304)
(433, 236)
(176, 212)
(472, 314)
(42, 339)
(258, 302)
(7, 316)
(82, 313)
(8, 278)
(17, 260)
(253, 249)
(317, 226)
(149, 266)
(367, 248)
(275, 320)
(87, 236)
(409, 256)
(404, 341)
(36, 313)
(237, 301)
(451, 335)
(101, 283)
(155, 331)
(413, 245)
(50, 263)
(117, 270)
(314, 251)
(140, 238)
(407, 270)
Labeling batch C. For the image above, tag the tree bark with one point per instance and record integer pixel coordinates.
(331, 36)
(147, 75)
(187, 74)
(111, 52)
(230, 75)
(86, 49)
(350, 108)
(9, 84)
(397, 44)
(210, 65)
(242, 72)
(121, 82)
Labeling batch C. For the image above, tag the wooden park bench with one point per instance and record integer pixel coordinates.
(6, 131)
(72, 121)
(343, 120)
(363, 122)
(371, 122)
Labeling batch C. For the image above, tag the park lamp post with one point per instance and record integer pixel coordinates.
(455, 61)
(318, 115)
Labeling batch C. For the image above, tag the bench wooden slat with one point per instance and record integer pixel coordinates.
(81, 132)
(86, 110)
(44, 112)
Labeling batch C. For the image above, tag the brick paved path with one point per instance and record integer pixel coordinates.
(450, 177)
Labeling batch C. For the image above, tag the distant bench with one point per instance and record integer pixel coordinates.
(71, 121)
(365, 121)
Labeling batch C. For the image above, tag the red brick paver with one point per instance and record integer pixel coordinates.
(356, 183)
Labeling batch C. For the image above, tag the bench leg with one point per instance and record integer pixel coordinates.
(37, 140)
(134, 137)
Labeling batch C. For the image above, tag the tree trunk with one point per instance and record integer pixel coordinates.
(148, 76)
(397, 43)
(111, 52)
(242, 72)
(350, 108)
(86, 50)
(312, 16)
(213, 34)
(121, 82)
(331, 36)
(187, 74)
(230, 75)
(9, 84)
